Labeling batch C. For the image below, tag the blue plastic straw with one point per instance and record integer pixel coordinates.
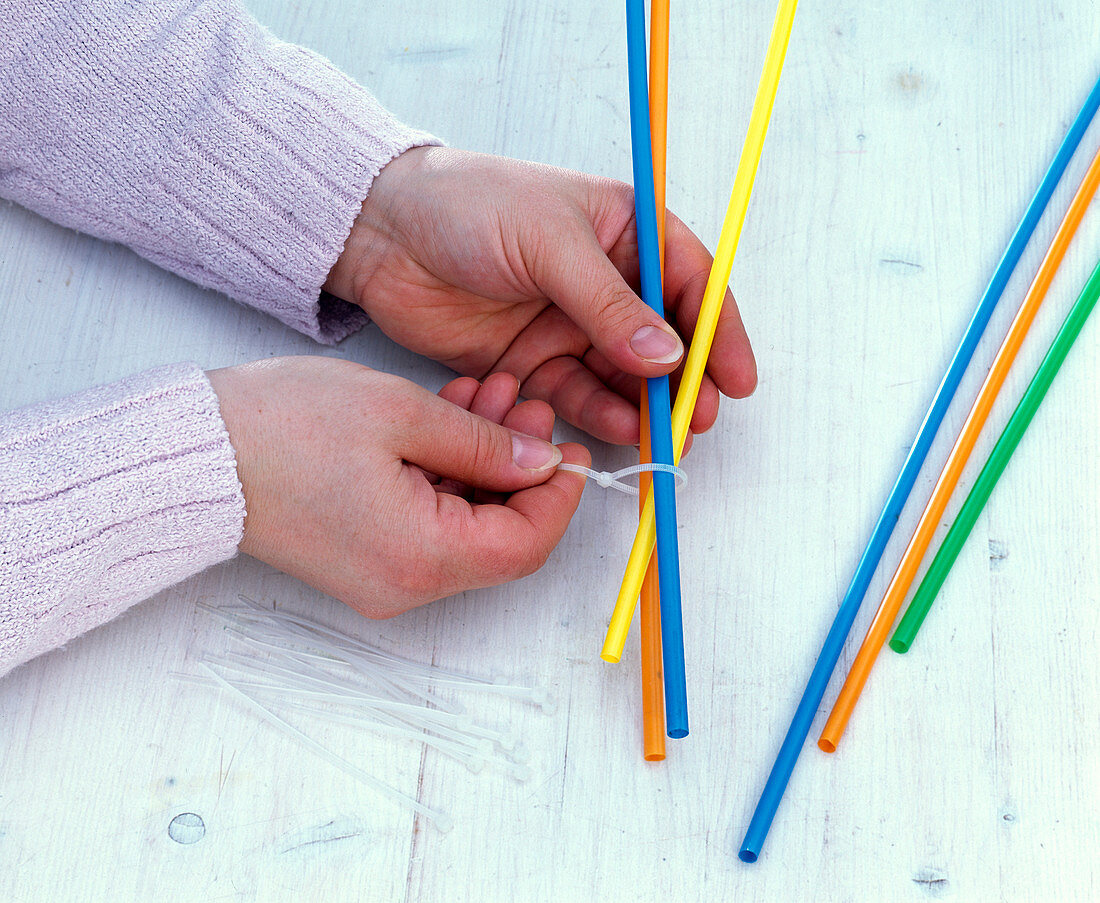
(660, 407)
(842, 624)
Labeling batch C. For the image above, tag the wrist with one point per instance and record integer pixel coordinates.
(373, 228)
(234, 401)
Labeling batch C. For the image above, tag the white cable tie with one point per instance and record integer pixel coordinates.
(609, 480)
(344, 640)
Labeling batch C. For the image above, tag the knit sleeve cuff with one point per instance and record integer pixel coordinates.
(189, 133)
(276, 164)
(107, 497)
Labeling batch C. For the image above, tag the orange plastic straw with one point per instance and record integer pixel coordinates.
(956, 461)
(653, 679)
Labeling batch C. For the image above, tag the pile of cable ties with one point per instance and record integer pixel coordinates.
(308, 670)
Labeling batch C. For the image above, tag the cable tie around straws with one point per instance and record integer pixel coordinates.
(609, 480)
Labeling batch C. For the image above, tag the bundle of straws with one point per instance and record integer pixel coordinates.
(305, 668)
(949, 477)
(665, 428)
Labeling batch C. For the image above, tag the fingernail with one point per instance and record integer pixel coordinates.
(658, 346)
(534, 454)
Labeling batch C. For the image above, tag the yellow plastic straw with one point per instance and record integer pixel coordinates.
(711, 309)
(653, 680)
(956, 462)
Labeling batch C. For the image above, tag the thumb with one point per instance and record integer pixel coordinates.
(578, 276)
(447, 440)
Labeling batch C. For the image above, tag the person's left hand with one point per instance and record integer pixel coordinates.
(379, 493)
(488, 264)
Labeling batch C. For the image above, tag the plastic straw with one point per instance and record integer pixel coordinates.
(995, 465)
(658, 110)
(713, 297)
(818, 681)
(956, 461)
(660, 415)
(653, 680)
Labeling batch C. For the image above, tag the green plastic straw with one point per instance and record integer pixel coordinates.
(994, 467)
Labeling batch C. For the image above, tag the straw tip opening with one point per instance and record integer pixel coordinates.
(610, 657)
(899, 645)
(654, 757)
(747, 856)
(826, 745)
(678, 733)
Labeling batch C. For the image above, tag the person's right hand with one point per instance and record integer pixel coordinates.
(386, 496)
(492, 265)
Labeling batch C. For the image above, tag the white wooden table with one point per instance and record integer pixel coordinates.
(906, 141)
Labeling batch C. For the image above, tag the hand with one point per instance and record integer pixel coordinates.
(375, 491)
(492, 265)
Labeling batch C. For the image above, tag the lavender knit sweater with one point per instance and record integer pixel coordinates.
(187, 132)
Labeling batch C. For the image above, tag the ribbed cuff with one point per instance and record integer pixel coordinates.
(189, 133)
(277, 163)
(107, 497)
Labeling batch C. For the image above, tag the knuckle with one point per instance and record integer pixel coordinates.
(617, 307)
(485, 444)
